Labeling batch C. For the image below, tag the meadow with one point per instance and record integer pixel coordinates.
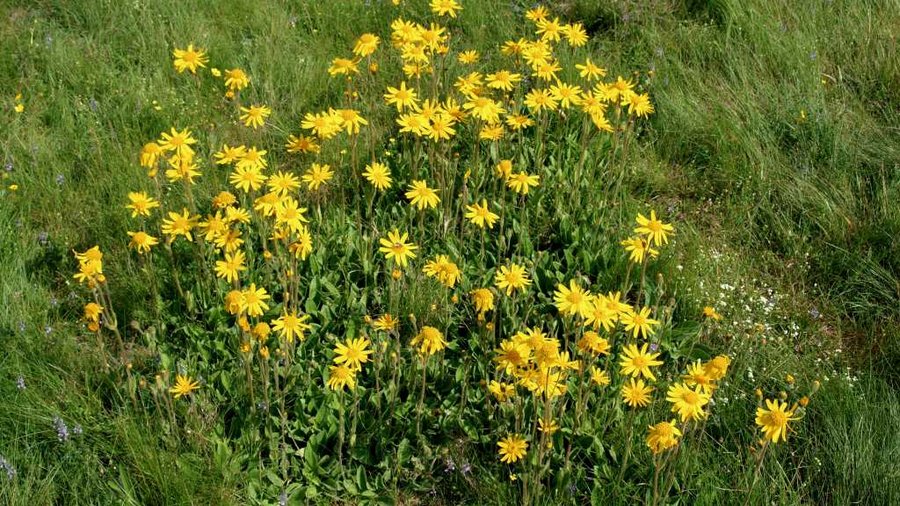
(449, 252)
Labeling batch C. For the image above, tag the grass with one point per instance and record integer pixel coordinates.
(775, 148)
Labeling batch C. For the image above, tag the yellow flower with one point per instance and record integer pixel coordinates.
(429, 340)
(253, 158)
(445, 7)
(639, 248)
(592, 343)
(637, 362)
(697, 376)
(599, 377)
(638, 322)
(379, 175)
(386, 323)
(255, 115)
(468, 57)
(566, 94)
(635, 393)
(421, 196)
(512, 355)
(503, 80)
(302, 144)
(282, 183)
(548, 427)
(183, 386)
(341, 376)
(575, 34)
(317, 175)
(324, 125)
(353, 353)
(522, 182)
(717, 367)
(538, 100)
(483, 299)
(480, 215)
(397, 249)
(501, 391)
(179, 142)
(189, 59)
(141, 204)
(401, 97)
(342, 66)
(150, 154)
(485, 109)
(179, 224)
(92, 311)
(142, 241)
(601, 314)
(229, 155)
(550, 30)
(710, 312)
(236, 79)
(572, 300)
(774, 421)
(247, 178)
(231, 267)
(511, 278)
(639, 105)
(253, 300)
(512, 448)
(662, 436)
(687, 402)
(366, 44)
(444, 270)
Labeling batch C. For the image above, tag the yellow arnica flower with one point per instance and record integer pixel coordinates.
(253, 300)
(572, 300)
(189, 59)
(231, 267)
(774, 421)
(229, 155)
(421, 196)
(141, 204)
(343, 66)
(590, 71)
(92, 311)
(480, 215)
(401, 97)
(697, 376)
(183, 386)
(341, 376)
(639, 248)
(687, 402)
(599, 377)
(662, 436)
(511, 278)
(512, 448)
(445, 7)
(142, 241)
(639, 322)
(522, 182)
(600, 314)
(379, 175)
(592, 343)
(429, 340)
(385, 322)
(444, 270)
(255, 115)
(717, 367)
(635, 393)
(236, 79)
(501, 391)
(317, 175)
(179, 224)
(366, 44)
(353, 353)
(397, 249)
(710, 312)
(637, 362)
(483, 299)
(653, 229)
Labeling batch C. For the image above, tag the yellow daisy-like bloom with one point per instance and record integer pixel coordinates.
(599, 377)
(353, 353)
(469, 84)
(189, 59)
(253, 300)
(572, 300)
(444, 270)
(635, 393)
(141, 204)
(485, 109)
(717, 367)
(340, 377)
(492, 132)
(445, 7)
(655, 230)
(231, 267)
(224, 199)
(179, 142)
(537, 14)
(504, 168)
(480, 215)
(511, 278)
(512, 448)
(636, 363)
(253, 158)
(324, 125)
(550, 30)
(575, 34)
(302, 247)
(351, 120)
(710, 312)
(183, 386)
(142, 241)
(401, 97)
(639, 105)
(638, 322)
(317, 175)
(150, 154)
(511, 356)
(386, 323)
(379, 175)
(179, 224)
(429, 340)
(233, 302)
(236, 79)
(229, 155)
(440, 128)
(282, 183)
(92, 312)
(501, 391)
(255, 115)
(366, 44)
(773, 422)
(468, 57)
(638, 248)
(566, 94)
(600, 314)
(538, 100)
(397, 249)
(289, 214)
(302, 144)
(518, 121)
(421, 196)
(687, 402)
(522, 182)
(548, 427)
(342, 66)
(182, 168)
(503, 80)
(697, 376)
(483, 299)
(662, 436)
(592, 343)
(247, 178)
